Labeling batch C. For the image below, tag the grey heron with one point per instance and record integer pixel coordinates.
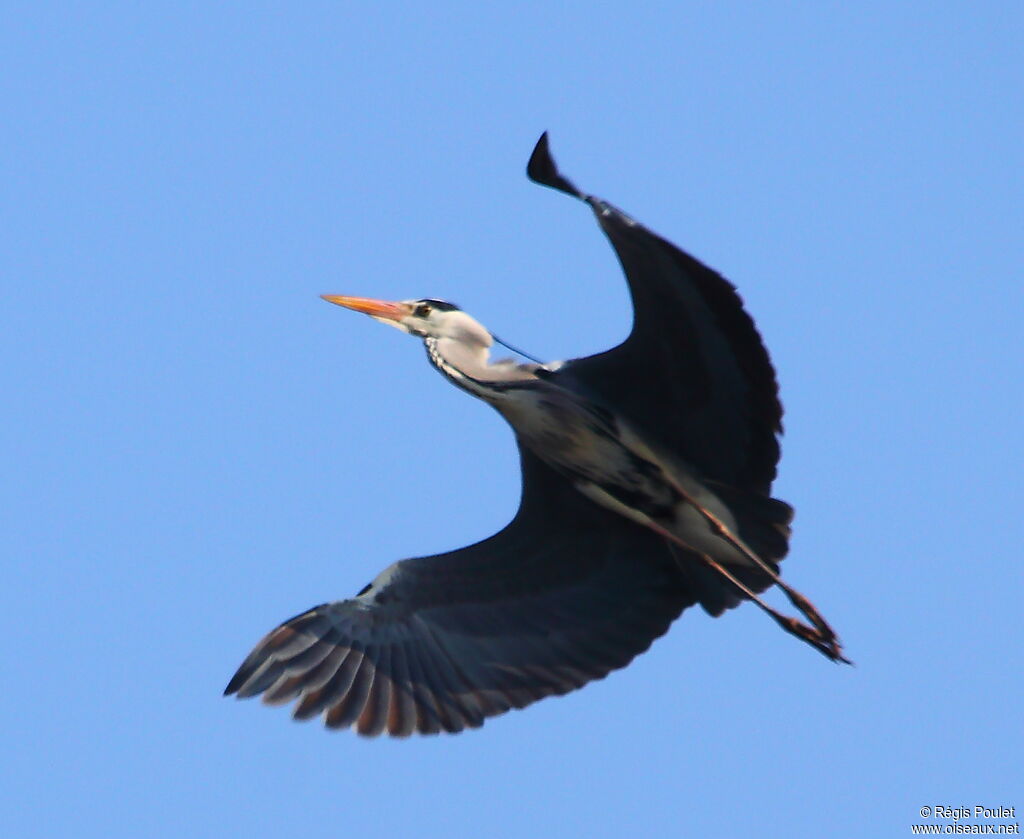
(646, 479)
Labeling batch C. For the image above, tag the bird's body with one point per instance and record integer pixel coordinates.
(599, 453)
(640, 498)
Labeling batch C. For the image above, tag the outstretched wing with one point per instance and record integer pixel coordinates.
(693, 373)
(564, 594)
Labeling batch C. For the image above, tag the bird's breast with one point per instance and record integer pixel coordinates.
(610, 463)
(590, 446)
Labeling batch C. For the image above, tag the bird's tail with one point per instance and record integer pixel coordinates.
(763, 524)
(757, 522)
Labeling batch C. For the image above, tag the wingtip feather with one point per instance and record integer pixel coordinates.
(543, 170)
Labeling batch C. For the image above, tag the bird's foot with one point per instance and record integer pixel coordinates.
(825, 642)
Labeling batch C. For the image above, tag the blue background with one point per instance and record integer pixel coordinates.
(196, 447)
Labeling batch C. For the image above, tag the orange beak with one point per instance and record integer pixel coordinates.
(369, 306)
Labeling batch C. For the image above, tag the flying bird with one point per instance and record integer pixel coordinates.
(646, 480)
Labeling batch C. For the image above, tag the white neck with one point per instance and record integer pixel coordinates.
(467, 365)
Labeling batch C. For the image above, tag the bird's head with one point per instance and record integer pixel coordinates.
(425, 318)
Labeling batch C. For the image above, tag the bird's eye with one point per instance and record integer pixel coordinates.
(422, 310)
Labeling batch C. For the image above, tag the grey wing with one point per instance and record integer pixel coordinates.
(693, 373)
(564, 594)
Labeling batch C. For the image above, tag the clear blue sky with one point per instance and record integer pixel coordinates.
(196, 446)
